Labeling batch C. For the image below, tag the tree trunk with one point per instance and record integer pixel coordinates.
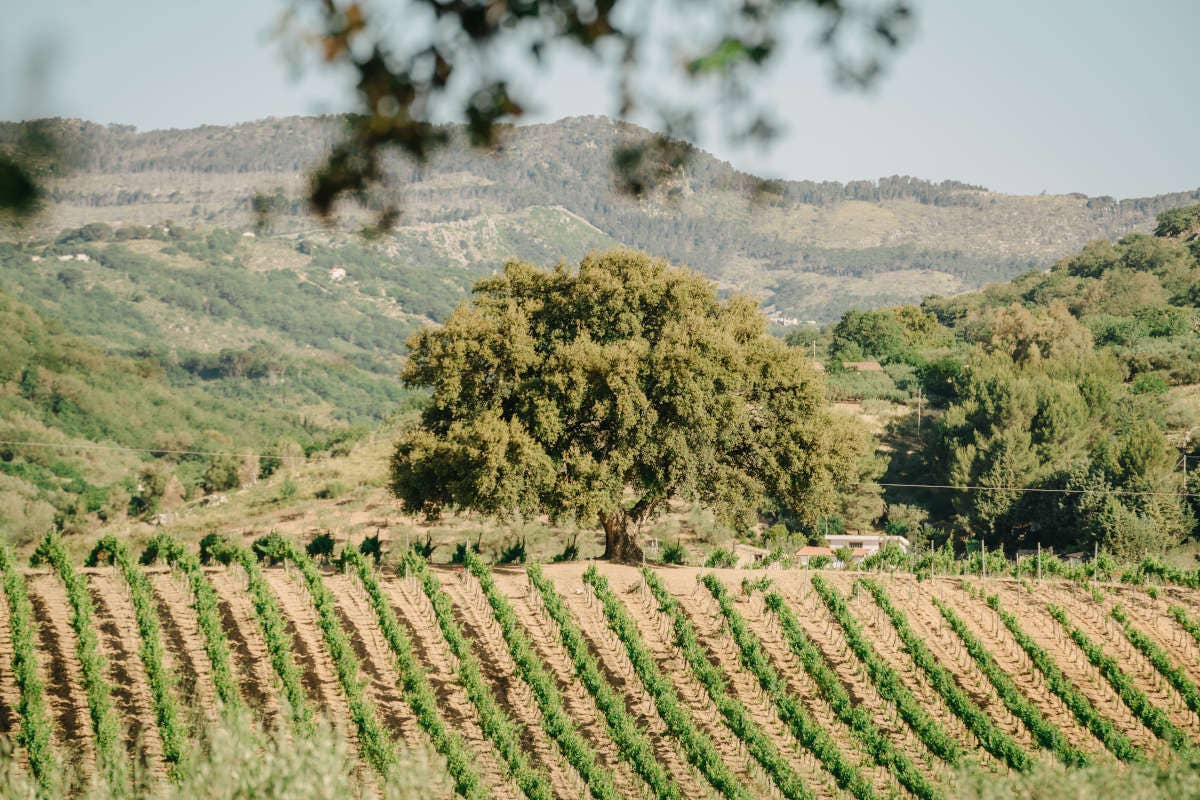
(620, 544)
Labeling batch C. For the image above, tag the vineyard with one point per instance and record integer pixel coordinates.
(574, 680)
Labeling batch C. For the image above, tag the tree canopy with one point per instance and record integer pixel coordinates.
(1065, 399)
(602, 393)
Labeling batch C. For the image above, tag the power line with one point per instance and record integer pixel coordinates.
(1040, 490)
(159, 450)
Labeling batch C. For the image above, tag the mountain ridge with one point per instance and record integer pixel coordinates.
(806, 249)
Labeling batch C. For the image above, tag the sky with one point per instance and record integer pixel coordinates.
(1022, 97)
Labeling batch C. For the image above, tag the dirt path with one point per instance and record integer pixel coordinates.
(1046, 632)
(382, 682)
(880, 633)
(710, 627)
(1092, 617)
(589, 720)
(119, 644)
(474, 617)
(986, 626)
(184, 645)
(10, 693)
(66, 701)
(827, 636)
(655, 633)
(414, 613)
(319, 677)
(617, 669)
(248, 651)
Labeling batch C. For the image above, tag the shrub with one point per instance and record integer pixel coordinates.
(569, 553)
(1150, 383)
(321, 546)
(331, 490)
(459, 556)
(214, 547)
(674, 553)
(372, 547)
(721, 558)
(424, 549)
(513, 553)
(221, 474)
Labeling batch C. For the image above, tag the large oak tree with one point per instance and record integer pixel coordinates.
(600, 394)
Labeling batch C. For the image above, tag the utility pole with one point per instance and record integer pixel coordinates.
(920, 404)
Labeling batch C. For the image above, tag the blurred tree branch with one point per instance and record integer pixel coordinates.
(447, 61)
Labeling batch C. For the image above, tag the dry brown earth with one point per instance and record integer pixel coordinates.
(187, 661)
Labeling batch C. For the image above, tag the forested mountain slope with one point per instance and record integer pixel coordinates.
(188, 349)
(808, 249)
(1065, 398)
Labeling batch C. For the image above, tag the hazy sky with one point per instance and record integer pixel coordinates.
(1023, 96)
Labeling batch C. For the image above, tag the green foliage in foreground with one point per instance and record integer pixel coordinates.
(698, 747)
(238, 760)
(1103, 780)
(34, 734)
(635, 747)
(737, 716)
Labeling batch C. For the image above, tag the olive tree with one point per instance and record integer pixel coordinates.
(601, 393)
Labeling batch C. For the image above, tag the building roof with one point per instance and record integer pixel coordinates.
(867, 537)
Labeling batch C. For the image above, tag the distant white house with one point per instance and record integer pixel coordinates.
(337, 274)
(807, 553)
(868, 542)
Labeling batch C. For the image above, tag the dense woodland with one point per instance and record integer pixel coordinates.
(1080, 378)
